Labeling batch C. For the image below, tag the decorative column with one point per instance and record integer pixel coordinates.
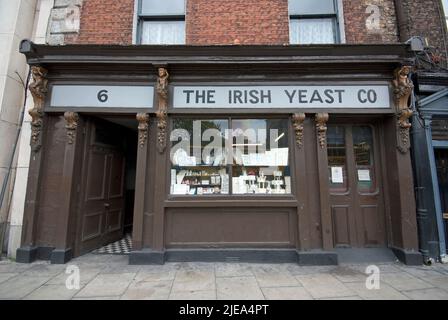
(297, 121)
(71, 119)
(403, 88)
(143, 126)
(162, 110)
(321, 120)
(321, 127)
(38, 89)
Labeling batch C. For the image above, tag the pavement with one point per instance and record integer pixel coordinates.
(109, 277)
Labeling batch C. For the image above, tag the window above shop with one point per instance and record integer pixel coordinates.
(161, 22)
(230, 156)
(445, 9)
(313, 22)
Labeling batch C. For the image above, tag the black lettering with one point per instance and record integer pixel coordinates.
(361, 94)
(290, 95)
(237, 94)
(266, 95)
(200, 96)
(211, 96)
(254, 97)
(188, 93)
(340, 92)
(302, 96)
(329, 94)
(372, 96)
(316, 97)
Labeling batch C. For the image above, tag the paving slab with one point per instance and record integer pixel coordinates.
(156, 290)
(20, 286)
(427, 294)
(385, 292)
(404, 282)
(233, 270)
(145, 276)
(52, 292)
(269, 277)
(107, 285)
(323, 286)
(86, 275)
(193, 295)
(286, 293)
(6, 276)
(238, 288)
(194, 280)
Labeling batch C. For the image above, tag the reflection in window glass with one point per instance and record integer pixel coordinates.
(337, 158)
(363, 149)
(198, 158)
(261, 161)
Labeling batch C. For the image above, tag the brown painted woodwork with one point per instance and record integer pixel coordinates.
(357, 213)
(102, 208)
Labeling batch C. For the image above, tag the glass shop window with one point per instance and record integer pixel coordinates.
(337, 158)
(222, 157)
(313, 21)
(363, 148)
(161, 22)
(445, 9)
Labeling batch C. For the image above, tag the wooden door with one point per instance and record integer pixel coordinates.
(356, 196)
(441, 156)
(102, 207)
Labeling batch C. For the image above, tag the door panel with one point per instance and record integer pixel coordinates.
(354, 185)
(341, 228)
(441, 156)
(103, 205)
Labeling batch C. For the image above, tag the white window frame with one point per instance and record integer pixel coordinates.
(139, 19)
(340, 23)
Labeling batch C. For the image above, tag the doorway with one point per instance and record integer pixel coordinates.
(106, 202)
(356, 195)
(441, 156)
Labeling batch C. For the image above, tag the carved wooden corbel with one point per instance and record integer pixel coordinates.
(403, 88)
(143, 126)
(71, 124)
(162, 111)
(297, 121)
(38, 89)
(321, 127)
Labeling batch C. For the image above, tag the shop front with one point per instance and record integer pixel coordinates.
(226, 153)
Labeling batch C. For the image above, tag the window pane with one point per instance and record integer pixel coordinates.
(302, 7)
(312, 31)
(363, 149)
(198, 157)
(261, 157)
(163, 32)
(337, 158)
(162, 7)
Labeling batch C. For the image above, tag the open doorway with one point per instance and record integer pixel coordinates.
(106, 205)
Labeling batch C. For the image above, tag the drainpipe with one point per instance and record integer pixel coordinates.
(402, 21)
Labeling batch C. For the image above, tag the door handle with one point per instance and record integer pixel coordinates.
(107, 205)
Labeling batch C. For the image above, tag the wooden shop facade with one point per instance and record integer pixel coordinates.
(220, 153)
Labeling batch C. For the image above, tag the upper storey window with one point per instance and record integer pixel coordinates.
(161, 21)
(313, 21)
(445, 9)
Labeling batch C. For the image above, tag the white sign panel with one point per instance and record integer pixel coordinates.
(337, 175)
(358, 96)
(102, 96)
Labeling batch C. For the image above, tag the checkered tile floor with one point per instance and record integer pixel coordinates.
(123, 246)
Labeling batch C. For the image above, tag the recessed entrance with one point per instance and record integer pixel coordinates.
(107, 192)
(356, 195)
(441, 156)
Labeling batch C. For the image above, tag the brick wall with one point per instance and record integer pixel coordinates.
(105, 22)
(237, 22)
(426, 20)
(360, 26)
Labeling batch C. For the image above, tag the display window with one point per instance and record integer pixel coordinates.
(230, 157)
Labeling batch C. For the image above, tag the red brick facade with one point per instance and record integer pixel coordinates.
(105, 22)
(237, 22)
(216, 22)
